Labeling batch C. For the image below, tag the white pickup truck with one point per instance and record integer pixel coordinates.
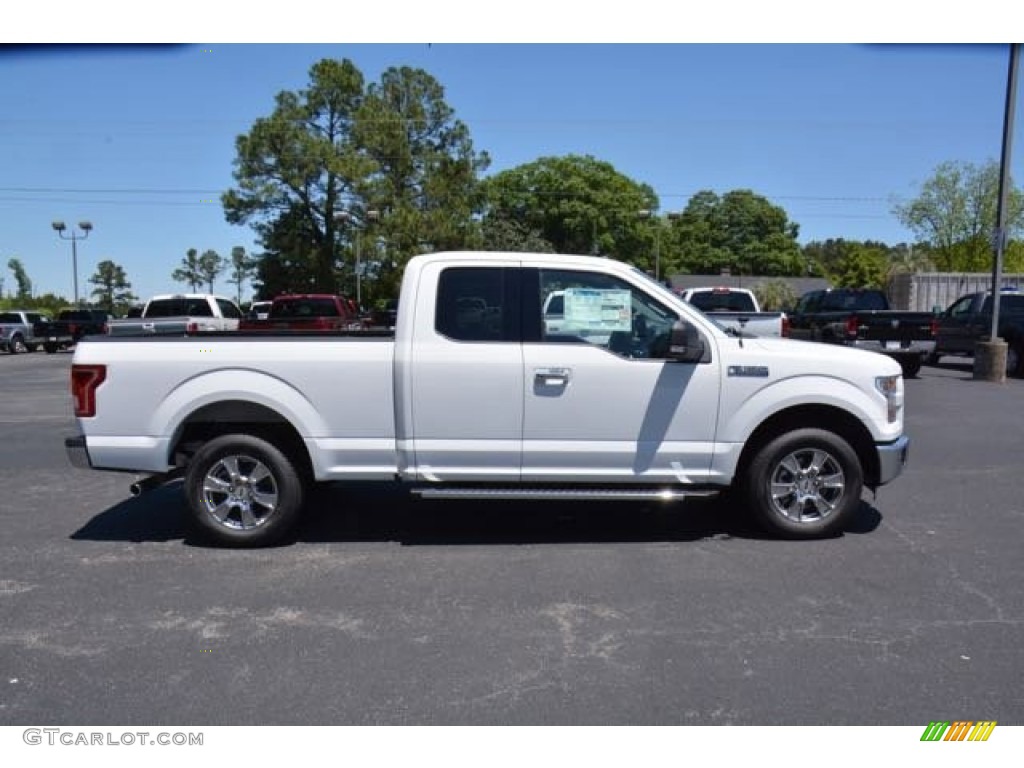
(634, 395)
(179, 314)
(737, 311)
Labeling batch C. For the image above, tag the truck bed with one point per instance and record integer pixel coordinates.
(338, 391)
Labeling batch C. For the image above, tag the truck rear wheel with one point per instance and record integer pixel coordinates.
(243, 491)
(804, 484)
(50, 348)
(16, 346)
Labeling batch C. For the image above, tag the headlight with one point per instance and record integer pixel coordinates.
(891, 388)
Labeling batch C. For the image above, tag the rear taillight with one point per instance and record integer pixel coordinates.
(192, 328)
(785, 326)
(106, 328)
(85, 379)
(934, 327)
(852, 325)
(72, 328)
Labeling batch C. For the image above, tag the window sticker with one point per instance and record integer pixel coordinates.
(590, 309)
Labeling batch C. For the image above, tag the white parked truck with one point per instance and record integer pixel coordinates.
(737, 310)
(633, 395)
(180, 314)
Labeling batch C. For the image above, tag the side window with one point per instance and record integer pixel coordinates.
(227, 309)
(473, 305)
(602, 310)
(165, 308)
(198, 308)
(807, 303)
(961, 307)
(1011, 303)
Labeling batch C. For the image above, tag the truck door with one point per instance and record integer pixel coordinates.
(601, 404)
(959, 326)
(464, 380)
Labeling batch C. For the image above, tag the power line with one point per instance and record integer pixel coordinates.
(541, 193)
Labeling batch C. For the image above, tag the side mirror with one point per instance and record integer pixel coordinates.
(685, 344)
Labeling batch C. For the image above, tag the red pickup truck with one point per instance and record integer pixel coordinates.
(307, 312)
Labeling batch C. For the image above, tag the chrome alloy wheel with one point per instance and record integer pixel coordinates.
(807, 485)
(239, 492)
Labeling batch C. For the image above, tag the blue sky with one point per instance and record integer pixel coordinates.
(139, 141)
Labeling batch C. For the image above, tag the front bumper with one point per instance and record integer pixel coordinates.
(78, 452)
(891, 459)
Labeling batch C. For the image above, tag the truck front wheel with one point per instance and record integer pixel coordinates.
(1014, 365)
(805, 484)
(911, 366)
(243, 491)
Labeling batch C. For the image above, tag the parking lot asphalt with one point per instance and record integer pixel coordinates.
(389, 610)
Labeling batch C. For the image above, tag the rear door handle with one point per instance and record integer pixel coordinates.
(551, 377)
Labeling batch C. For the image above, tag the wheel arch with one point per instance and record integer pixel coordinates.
(817, 416)
(227, 417)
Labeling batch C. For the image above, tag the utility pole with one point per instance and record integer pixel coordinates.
(990, 356)
(86, 228)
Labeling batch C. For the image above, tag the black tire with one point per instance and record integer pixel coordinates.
(50, 348)
(243, 491)
(827, 506)
(1015, 359)
(16, 345)
(911, 366)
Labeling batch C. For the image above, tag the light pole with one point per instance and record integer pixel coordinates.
(360, 225)
(648, 214)
(86, 228)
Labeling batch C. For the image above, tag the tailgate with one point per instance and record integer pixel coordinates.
(895, 329)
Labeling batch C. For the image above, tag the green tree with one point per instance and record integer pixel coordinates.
(905, 258)
(424, 180)
(189, 272)
(774, 295)
(741, 231)
(210, 266)
(287, 264)
(338, 147)
(113, 291)
(955, 213)
(21, 278)
(508, 235)
(578, 204)
(242, 269)
(851, 263)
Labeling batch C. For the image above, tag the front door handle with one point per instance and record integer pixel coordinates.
(551, 377)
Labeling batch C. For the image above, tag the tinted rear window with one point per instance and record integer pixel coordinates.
(731, 301)
(841, 300)
(178, 308)
(300, 308)
(9, 317)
